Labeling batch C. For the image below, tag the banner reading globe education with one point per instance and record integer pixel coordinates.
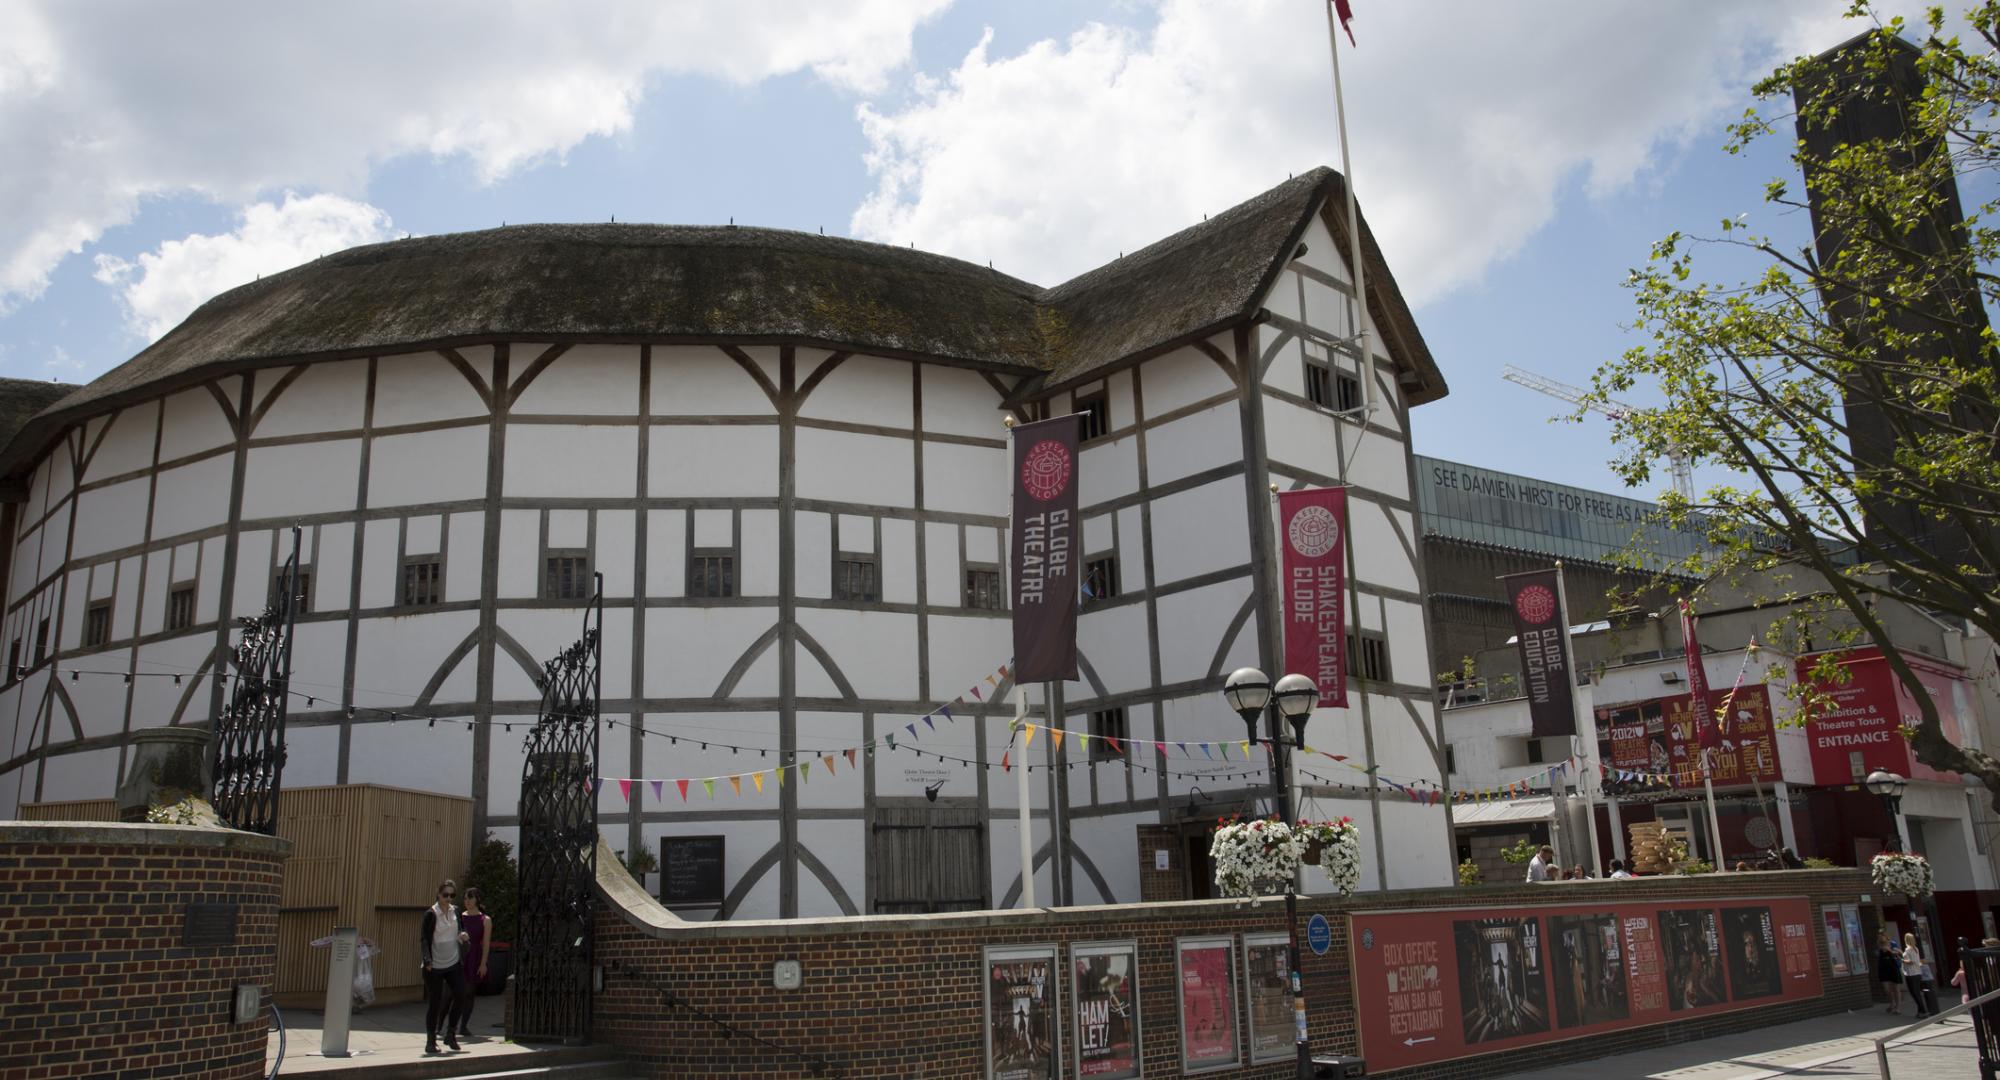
(1437, 985)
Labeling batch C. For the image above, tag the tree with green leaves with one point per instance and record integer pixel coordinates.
(1847, 382)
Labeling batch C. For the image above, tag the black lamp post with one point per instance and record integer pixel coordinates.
(1250, 693)
(1889, 787)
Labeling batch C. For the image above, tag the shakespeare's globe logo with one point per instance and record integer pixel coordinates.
(1045, 472)
(1313, 531)
(1536, 604)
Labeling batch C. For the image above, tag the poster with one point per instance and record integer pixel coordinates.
(1440, 985)
(1104, 985)
(1859, 730)
(1207, 972)
(1046, 549)
(1313, 523)
(1658, 737)
(1836, 940)
(1542, 633)
(1587, 961)
(1267, 984)
(1501, 991)
(1022, 1034)
(1857, 946)
(1750, 943)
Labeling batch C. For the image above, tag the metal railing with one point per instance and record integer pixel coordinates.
(1982, 975)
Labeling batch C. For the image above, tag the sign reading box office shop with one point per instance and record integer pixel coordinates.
(1438, 985)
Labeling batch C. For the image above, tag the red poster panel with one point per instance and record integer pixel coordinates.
(1658, 737)
(1438, 985)
(1860, 731)
(1208, 1005)
(1313, 523)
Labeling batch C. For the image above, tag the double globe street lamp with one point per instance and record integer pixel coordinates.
(1889, 787)
(1250, 693)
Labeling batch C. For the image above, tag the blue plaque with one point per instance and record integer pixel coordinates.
(1319, 935)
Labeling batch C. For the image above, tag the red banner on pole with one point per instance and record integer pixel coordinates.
(1045, 548)
(1314, 526)
(1705, 734)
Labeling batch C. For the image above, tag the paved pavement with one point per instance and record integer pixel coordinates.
(1826, 1046)
(389, 1034)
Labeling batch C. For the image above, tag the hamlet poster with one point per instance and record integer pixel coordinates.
(1106, 991)
(1021, 1028)
(1208, 1005)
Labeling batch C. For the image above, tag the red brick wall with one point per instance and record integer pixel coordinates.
(94, 980)
(1159, 886)
(901, 996)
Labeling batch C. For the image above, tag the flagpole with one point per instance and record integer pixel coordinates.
(1714, 822)
(1586, 756)
(1021, 796)
(1353, 216)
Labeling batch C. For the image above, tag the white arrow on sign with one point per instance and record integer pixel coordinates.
(1425, 1039)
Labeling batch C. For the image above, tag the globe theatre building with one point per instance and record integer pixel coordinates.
(785, 454)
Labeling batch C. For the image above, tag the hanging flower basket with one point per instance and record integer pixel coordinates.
(1315, 847)
(1897, 872)
(1334, 847)
(1263, 856)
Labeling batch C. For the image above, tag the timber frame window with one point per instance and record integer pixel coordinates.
(180, 606)
(711, 572)
(1095, 408)
(97, 624)
(1327, 388)
(1100, 578)
(984, 590)
(857, 578)
(42, 640)
(1368, 655)
(14, 660)
(423, 580)
(566, 574)
(1108, 724)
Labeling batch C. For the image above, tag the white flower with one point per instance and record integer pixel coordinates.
(1254, 858)
(1896, 872)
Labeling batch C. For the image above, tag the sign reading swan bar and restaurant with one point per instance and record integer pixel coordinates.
(1541, 631)
(1044, 549)
(1438, 985)
(1313, 524)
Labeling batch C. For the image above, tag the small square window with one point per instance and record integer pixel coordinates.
(983, 590)
(1330, 389)
(1095, 408)
(566, 576)
(301, 589)
(180, 607)
(1100, 579)
(1368, 656)
(712, 573)
(423, 581)
(1450, 759)
(1346, 392)
(1535, 752)
(1108, 724)
(97, 624)
(857, 578)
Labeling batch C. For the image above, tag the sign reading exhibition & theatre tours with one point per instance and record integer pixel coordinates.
(1436, 985)
(1045, 549)
(1313, 526)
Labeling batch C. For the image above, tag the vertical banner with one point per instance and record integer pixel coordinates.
(1045, 549)
(1539, 628)
(1208, 1005)
(1705, 734)
(1313, 524)
(1105, 988)
(1022, 1031)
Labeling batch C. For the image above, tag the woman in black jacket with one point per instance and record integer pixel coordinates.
(442, 943)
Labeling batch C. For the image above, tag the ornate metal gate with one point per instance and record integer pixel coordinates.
(248, 741)
(552, 982)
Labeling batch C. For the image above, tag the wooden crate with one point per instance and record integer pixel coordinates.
(362, 855)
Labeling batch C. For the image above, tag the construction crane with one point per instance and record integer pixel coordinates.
(1615, 410)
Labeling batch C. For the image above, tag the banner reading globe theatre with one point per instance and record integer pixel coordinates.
(1044, 549)
(1313, 525)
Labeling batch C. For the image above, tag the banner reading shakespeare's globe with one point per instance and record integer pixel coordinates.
(1312, 535)
(1045, 549)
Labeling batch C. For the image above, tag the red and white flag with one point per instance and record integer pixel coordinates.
(1706, 736)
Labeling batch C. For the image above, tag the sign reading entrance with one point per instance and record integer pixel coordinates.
(691, 871)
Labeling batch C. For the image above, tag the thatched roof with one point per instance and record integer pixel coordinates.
(21, 399)
(668, 283)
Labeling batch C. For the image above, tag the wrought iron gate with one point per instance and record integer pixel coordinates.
(248, 740)
(553, 950)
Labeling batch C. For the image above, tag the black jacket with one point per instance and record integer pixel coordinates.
(428, 930)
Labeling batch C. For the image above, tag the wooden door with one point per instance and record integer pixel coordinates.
(926, 857)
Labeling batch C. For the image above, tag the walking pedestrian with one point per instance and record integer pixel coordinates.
(1913, 972)
(1889, 969)
(444, 978)
(477, 927)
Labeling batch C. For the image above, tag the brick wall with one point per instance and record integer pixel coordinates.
(901, 996)
(1158, 886)
(94, 978)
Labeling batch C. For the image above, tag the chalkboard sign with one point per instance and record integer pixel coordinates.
(691, 871)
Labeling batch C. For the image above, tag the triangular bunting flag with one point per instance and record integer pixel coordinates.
(1163, 748)
(596, 785)
(659, 789)
(780, 774)
(1029, 740)
(757, 778)
(850, 757)
(1204, 751)
(1115, 748)
(683, 785)
(625, 789)
(990, 681)
(805, 771)
(829, 764)
(945, 711)
(1055, 737)
(975, 693)
(736, 784)
(708, 785)
(1225, 750)
(928, 723)
(890, 739)
(913, 730)
(1246, 748)
(1004, 767)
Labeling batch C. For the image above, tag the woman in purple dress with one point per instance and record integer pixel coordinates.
(477, 926)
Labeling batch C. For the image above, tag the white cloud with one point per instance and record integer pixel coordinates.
(160, 287)
(1464, 127)
(102, 105)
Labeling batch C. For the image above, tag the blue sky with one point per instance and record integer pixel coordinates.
(1515, 159)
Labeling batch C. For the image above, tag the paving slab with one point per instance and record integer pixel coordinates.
(393, 1036)
(1827, 1046)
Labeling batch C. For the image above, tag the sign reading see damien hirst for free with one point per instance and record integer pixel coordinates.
(1045, 549)
(1312, 534)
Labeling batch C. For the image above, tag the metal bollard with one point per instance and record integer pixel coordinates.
(339, 992)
